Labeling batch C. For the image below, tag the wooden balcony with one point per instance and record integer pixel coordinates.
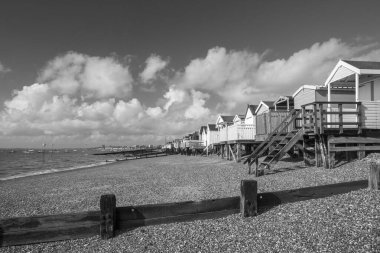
(321, 117)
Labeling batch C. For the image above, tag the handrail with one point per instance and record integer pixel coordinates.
(257, 151)
(315, 117)
(332, 102)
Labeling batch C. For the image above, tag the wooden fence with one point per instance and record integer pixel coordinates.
(267, 122)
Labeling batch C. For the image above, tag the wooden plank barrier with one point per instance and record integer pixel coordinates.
(360, 148)
(48, 228)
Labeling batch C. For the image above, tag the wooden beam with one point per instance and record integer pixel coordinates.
(360, 148)
(48, 228)
(340, 108)
(232, 152)
(317, 149)
(331, 153)
(305, 155)
(356, 87)
(354, 140)
(374, 176)
(248, 198)
(361, 152)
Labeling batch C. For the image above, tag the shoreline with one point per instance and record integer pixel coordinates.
(54, 171)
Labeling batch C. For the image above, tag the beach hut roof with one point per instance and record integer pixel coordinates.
(343, 75)
(306, 86)
(212, 127)
(252, 108)
(268, 104)
(203, 129)
(224, 119)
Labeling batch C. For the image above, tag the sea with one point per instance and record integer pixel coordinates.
(16, 163)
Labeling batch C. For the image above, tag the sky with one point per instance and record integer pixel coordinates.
(118, 72)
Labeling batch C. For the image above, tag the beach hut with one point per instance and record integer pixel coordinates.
(221, 123)
(212, 134)
(250, 115)
(363, 77)
(350, 122)
(203, 135)
(267, 119)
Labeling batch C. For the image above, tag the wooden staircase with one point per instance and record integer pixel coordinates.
(280, 141)
(283, 146)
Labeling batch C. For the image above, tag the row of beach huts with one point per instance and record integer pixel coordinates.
(316, 121)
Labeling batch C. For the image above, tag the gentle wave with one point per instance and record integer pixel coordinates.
(49, 171)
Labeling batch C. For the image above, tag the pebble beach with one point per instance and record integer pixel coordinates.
(342, 223)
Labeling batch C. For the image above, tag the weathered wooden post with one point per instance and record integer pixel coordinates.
(331, 152)
(248, 198)
(305, 154)
(361, 153)
(257, 172)
(107, 216)
(318, 153)
(374, 176)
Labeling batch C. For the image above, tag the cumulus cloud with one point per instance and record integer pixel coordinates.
(240, 77)
(154, 64)
(197, 110)
(87, 76)
(174, 95)
(155, 112)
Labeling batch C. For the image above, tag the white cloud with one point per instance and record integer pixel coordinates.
(197, 110)
(174, 95)
(154, 64)
(127, 113)
(240, 77)
(155, 112)
(77, 74)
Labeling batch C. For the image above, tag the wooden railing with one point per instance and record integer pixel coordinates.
(241, 132)
(237, 132)
(322, 116)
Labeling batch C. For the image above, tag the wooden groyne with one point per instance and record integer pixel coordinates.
(137, 153)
